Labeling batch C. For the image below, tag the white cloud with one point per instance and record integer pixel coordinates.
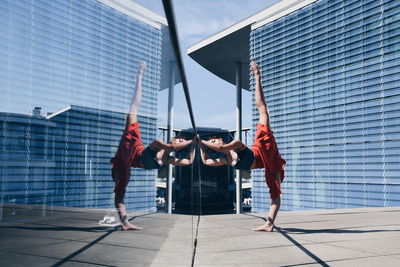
(198, 20)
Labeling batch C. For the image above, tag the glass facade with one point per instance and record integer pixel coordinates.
(331, 77)
(67, 73)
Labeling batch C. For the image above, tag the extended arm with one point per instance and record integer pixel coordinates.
(183, 162)
(181, 145)
(210, 162)
(211, 145)
(235, 145)
(157, 145)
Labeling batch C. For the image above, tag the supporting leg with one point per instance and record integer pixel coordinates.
(120, 206)
(268, 226)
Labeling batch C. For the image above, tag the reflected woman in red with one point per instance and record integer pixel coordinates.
(132, 153)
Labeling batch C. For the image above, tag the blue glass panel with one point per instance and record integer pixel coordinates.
(333, 100)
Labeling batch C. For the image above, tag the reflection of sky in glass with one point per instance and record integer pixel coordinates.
(58, 53)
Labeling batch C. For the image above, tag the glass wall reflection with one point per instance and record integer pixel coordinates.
(67, 78)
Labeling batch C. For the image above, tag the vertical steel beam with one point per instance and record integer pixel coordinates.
(170, 130)
(238, 133)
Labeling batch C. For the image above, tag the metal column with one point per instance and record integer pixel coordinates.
(170, 129)
(238, 133)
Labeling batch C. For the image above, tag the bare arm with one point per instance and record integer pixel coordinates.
(211, 162)
(210, 145)
(183, 162)
(216, 162)
(236, 145)
(181, 145)
(203, 154)
(157, 145)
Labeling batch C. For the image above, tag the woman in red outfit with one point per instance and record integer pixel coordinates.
(263, 154)
(132, 153)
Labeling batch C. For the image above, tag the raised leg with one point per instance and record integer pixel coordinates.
(137, 96)
(259, 95)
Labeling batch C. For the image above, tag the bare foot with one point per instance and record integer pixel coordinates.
(128, 226)
(266, 227)
(142, 67)
(254, 68)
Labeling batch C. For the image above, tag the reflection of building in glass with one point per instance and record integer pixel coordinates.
(202, 189)
(63, 159)
(57, 54)
(331, 79)
(27, 158)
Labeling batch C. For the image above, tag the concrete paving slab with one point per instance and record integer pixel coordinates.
(378, 246)
(10, 259)
(328, 252)
(16, 233)
(72, 237)
(164, 239)
(227, 233)
(59, 250)
(241, 243)
(117, 255)
(11, 243)
(267, 256)
(53, 236)
(367, 262)
(321, 238)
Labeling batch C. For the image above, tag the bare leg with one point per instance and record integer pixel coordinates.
(268, 226)
(137, 96)
(259, 94)
(132, 118)
(120, 206)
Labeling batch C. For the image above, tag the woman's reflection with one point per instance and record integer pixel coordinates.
(132, 153)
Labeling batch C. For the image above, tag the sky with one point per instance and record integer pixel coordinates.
(213, 99)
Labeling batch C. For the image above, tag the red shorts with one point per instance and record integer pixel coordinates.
(127, 156)
(266, 155)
